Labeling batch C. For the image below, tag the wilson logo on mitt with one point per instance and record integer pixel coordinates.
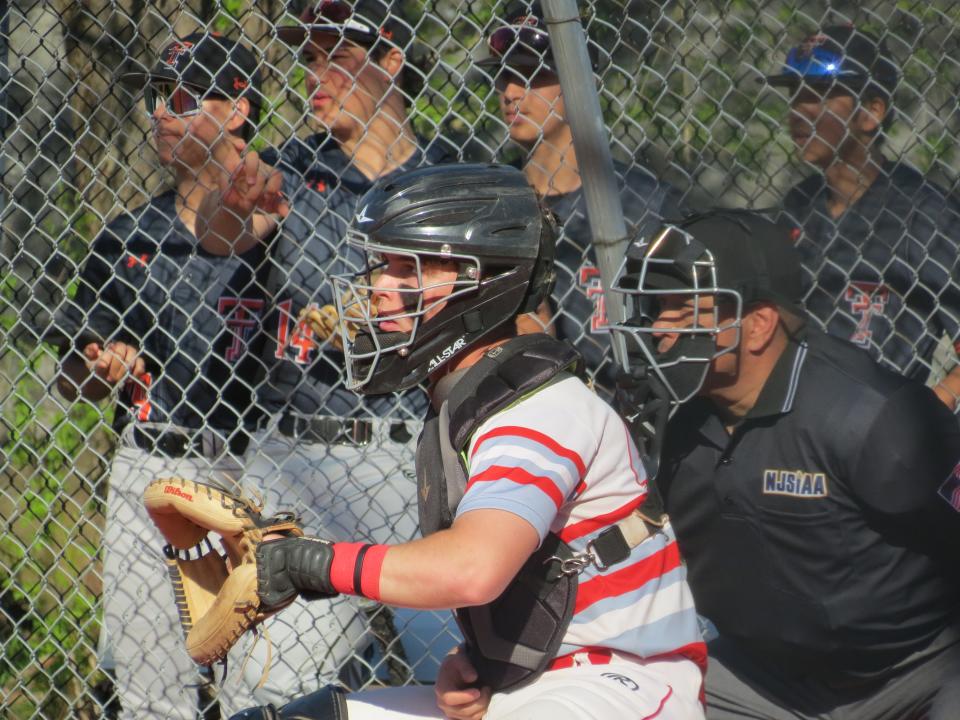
(216, 594)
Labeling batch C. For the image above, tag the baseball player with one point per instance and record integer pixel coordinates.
(572, 604)
(815, 494)
(531, 103)
(164, 325)
(344, 463)
(879, 241)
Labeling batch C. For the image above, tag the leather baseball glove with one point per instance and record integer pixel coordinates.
(325, 320)
(216, 594)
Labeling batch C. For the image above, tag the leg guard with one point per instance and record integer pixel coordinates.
(328, 703)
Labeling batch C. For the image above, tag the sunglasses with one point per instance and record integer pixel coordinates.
(523, 39)
(178, 100)
(338, 13)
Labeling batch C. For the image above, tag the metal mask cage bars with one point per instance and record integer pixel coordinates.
(636, 308)
(361, 296)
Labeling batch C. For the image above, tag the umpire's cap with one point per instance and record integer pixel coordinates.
(752, 255)
(839, 54)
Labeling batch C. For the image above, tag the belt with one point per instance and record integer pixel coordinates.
(199, 443)
(334, 430)
(330, 430)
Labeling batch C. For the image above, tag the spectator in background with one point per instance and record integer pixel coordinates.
(531, 102)
(345, 463)
(163, 323)
(879, 241)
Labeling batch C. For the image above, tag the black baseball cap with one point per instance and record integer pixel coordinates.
(751, 254)
(205, 61)
(839, 54)
(363, 21)
(521, 41)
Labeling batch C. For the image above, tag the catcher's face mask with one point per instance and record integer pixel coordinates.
(384, 308)
(677, 313)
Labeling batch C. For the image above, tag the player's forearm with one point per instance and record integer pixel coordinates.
(469, 564)
(441, 572)
(221, 230)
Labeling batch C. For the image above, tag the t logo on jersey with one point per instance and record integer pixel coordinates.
(866, 299)
(588, 279)
(242, 316)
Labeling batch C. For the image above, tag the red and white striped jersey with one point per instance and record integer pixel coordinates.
(563, 460)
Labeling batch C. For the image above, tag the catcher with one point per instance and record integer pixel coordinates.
(573, 605)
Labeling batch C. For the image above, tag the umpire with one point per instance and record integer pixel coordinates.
(815, 494)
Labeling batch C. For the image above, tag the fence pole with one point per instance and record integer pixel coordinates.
(592, 148)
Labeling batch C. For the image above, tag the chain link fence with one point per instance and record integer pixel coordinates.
(690, 125)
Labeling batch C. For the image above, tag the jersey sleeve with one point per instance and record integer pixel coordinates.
(908, 471)
(528, 460)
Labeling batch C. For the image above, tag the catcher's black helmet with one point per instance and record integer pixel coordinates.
(487, 220)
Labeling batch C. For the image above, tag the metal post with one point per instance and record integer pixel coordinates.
(592, 147)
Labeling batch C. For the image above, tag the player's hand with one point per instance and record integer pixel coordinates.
(456, 696)
(247, 184)
(115, 362)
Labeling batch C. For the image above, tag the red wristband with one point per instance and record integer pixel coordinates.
(370, 572)
(343, 566)
(355, 569)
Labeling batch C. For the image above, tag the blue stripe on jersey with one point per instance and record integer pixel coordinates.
(656, 638)
(487, 461)
(618, 602)
(494, 450)
(525, 501)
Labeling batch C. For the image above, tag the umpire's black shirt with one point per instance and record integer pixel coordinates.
(821, 535)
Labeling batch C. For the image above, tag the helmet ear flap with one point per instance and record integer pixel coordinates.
(544, 274)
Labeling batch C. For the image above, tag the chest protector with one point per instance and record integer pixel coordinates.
(511, 640)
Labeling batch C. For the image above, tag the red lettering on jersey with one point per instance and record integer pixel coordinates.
(242, 316)
(300, 339)
(590, 282)
(134, 260)
(866, 300)
(317, 185)
(139, 389)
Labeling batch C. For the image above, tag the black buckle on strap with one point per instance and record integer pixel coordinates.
(609, 548)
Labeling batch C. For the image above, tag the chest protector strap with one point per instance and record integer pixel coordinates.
(512, 639)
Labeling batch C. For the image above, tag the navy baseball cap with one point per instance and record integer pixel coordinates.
(751, 254)
(363, 21)
(839, 54)
(522, 41)
(205, 61)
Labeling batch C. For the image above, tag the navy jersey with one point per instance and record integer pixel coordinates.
(577, 298)
(303, 375)
(883, 274)
(148, 283)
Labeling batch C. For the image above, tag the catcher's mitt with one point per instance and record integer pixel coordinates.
(325, 321)
(216, 594)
